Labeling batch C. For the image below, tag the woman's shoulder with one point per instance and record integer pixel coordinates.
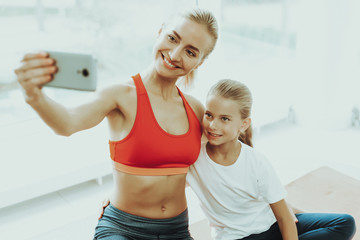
(117, 95)
(196, 105)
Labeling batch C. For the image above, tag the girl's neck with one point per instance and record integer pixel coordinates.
(225, 154)
(159, 85)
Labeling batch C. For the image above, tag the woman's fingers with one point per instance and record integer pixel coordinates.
(104, 204)
(295, 218)
(35, 83)
(34, 60)
(41, 80)
(34, 63)
(35, 70)
(30, 56)
(30, 74)
(291, 210)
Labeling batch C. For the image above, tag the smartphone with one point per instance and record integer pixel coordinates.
(75, 71)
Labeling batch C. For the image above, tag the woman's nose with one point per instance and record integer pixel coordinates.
(175, 54)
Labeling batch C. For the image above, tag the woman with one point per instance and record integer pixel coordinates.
(155, 130)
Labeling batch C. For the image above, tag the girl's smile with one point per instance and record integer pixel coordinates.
(213, 136)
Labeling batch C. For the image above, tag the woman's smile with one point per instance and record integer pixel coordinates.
(168, 64)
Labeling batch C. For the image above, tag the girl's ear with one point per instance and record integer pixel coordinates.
(245, 124)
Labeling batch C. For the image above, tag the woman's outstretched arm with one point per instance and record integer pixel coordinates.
(36, 70)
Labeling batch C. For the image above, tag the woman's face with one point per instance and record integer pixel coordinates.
(181, 47)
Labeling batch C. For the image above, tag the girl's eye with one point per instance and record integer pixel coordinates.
(207, 115)
(225, 119)
(191, 53)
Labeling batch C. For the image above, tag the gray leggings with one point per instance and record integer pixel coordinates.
(118, 225)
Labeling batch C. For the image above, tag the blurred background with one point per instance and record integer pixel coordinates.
(300, 59)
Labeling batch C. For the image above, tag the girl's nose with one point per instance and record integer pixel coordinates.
(213, 125)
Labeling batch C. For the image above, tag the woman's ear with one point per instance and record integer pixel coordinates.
(201, 62)
(245, 124)
(161, 29)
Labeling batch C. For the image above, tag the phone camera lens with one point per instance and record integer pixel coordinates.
(85, 72)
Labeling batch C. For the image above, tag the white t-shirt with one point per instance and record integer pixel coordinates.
(236, 198)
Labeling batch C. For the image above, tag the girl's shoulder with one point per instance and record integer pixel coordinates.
(253, 155)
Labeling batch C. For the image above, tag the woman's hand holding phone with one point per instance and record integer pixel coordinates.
(36, 69)
(56, 69)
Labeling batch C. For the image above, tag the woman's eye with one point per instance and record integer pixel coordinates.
(171, 38)
(191, 53)
(225, 119)
(207, 115)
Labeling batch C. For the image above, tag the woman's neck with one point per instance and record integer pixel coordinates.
(225, 154)
(159, 85)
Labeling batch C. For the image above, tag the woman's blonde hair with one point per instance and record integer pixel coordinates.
(207, 19)
(240, 93)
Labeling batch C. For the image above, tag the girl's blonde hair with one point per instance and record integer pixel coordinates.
(207, 19)
(239, 93)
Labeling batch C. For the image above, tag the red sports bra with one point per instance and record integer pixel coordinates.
(148, 149)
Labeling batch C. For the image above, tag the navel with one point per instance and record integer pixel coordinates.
(163, 208)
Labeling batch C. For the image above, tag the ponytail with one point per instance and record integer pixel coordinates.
(247, 137)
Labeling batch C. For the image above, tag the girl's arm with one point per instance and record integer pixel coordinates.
(285, 220)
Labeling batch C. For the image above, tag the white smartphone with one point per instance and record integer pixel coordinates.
(75, 71)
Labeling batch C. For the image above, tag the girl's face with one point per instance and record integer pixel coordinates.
(222, 121)
(181, 47)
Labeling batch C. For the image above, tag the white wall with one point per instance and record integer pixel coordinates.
(328, 79)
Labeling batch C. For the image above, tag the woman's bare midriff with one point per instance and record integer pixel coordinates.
(155, 197)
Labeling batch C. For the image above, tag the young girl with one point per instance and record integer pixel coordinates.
(238, 189)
